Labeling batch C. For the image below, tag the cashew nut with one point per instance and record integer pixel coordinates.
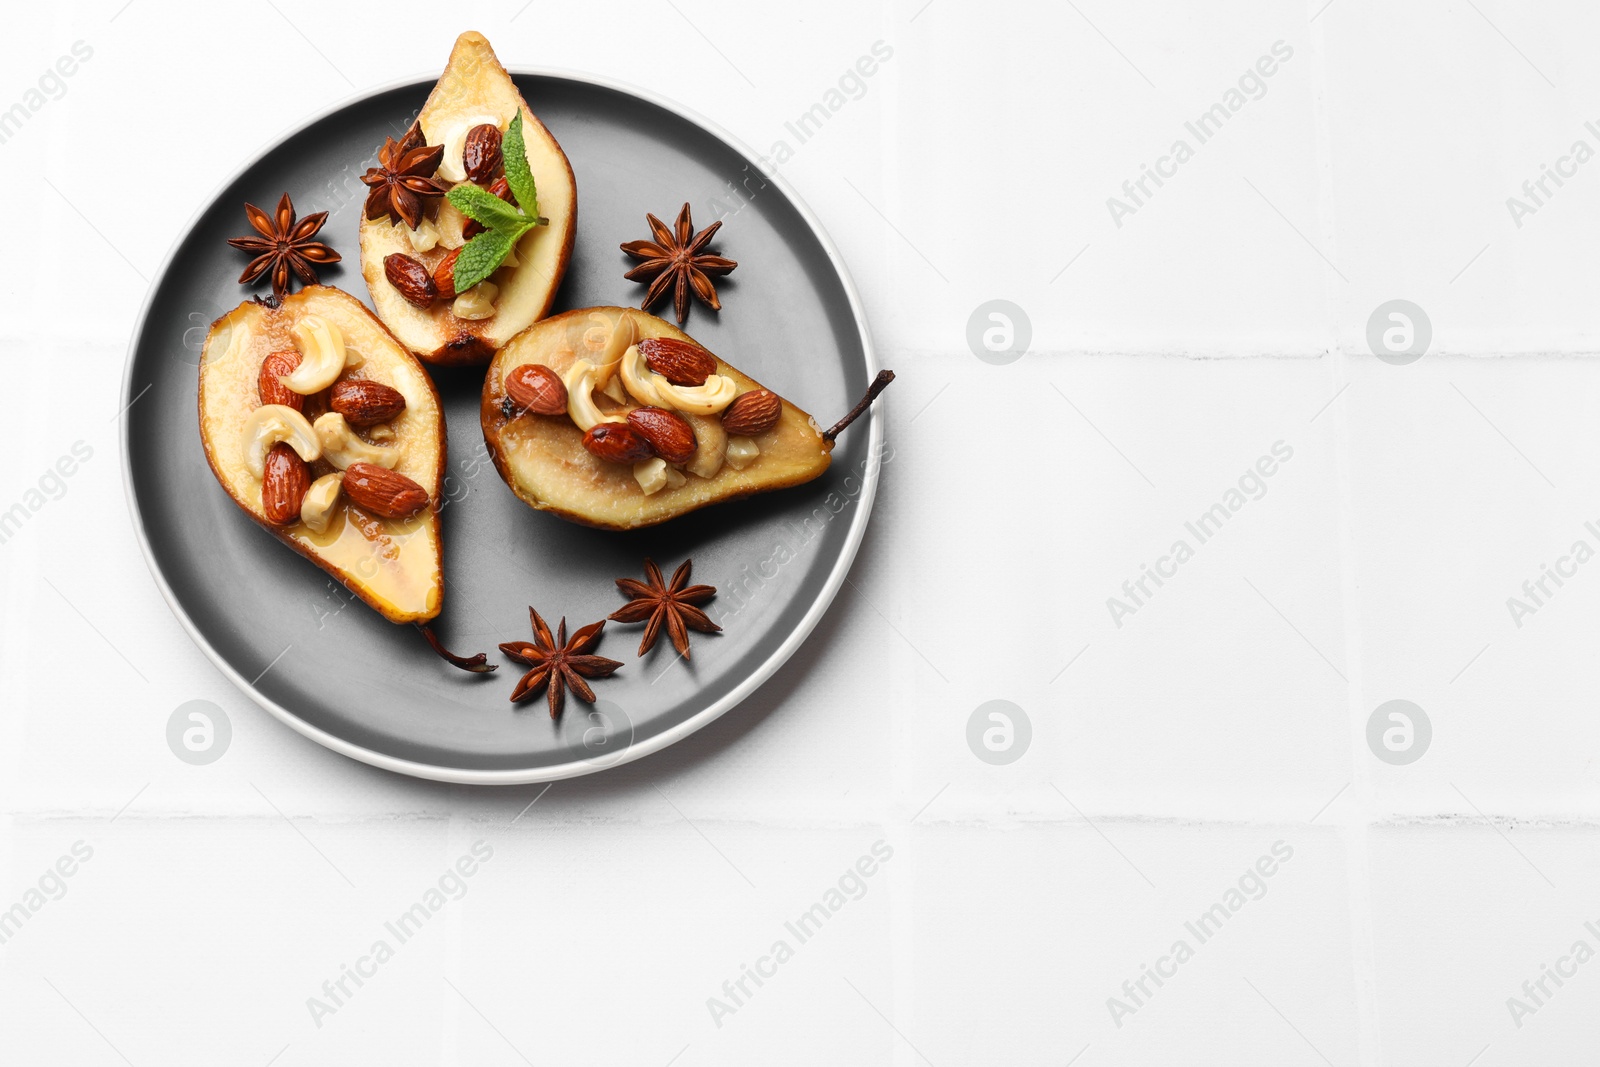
(604, 343)
(614, 389)
(708, 399)
(322, 355)
(316, 509)
(742, 451)
(579, 381)
(477, 302)
(711, 445)
(653, 475)
(341, 447)
(652, 389)
(269, 424)
(640, 379)
(424, 237)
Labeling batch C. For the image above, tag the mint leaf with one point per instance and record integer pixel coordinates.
(518, 176)
(482, 255)
(484, 207)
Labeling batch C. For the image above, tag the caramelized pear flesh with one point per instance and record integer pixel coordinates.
(543, 459)
(475, 89)
(392, 564)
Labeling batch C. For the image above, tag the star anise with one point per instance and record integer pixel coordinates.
(284, 246)
(558, 663)
(672, 604)
(678, 261)
(403, 181)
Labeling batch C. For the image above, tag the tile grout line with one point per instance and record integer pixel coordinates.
(1349, 813)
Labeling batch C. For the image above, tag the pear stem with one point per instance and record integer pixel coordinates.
(477, 664)
(879, 384)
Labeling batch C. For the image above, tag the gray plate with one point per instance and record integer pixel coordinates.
(300, 646)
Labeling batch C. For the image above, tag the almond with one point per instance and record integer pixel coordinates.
(444, 275)
(536, 388)
(274, 391)
(411, 279)
(481, 155)
(364, 402)
(679, 362)
(667, 432)
(752, 413)
(383, 492)
(501, 188)
(617, 442)
(283, 485)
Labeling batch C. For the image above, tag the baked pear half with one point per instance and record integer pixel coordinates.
(324, 429)
(611, 417)
(460, 138)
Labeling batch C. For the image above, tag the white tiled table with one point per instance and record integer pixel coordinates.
(1225, 715)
